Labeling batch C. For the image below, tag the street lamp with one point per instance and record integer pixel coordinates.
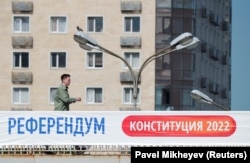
(201, 97)
(185, 40)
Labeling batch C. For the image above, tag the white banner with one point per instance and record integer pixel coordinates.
(125, 128)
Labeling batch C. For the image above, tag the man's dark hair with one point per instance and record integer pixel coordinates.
(63, 76)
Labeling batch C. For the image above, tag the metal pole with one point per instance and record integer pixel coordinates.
(132, 73)
(178, 43)
(136, 76)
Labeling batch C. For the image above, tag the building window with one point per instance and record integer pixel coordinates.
(20, 95)
(21, 60)
(178, 4)
(187, 99)
(162, 99)
(94, 95)
(177, 26)
(163, 25)
(52, 94)
(58, 60)
(21, 24)
(58, 24)
(188, 4)
(133, 58)
(163, 3)
(95, 24)
(95, 59)
(128, 95)
(132, 24)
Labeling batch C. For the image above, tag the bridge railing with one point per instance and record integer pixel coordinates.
(65, 150)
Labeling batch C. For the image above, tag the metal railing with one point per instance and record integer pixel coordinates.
(125, 150)
(64, 150)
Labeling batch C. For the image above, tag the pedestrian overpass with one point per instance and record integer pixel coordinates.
(109, 136)
(65, 154)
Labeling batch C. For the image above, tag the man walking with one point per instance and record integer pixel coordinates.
(62, 102)
(62, 99)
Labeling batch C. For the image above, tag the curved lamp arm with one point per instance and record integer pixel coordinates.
(184, 40)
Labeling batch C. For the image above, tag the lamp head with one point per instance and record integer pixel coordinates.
(85, 47)
(185, 40)
(199, 96)
(192, 44)
(85, 41)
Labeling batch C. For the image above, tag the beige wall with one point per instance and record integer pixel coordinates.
(44, 42)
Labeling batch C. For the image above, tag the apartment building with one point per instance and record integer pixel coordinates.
(208, 68)
(38, 46)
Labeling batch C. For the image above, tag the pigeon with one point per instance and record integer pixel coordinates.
(78, 28)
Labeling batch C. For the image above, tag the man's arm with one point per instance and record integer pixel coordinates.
(64, 96)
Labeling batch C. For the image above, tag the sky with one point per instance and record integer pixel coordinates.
(240, 56)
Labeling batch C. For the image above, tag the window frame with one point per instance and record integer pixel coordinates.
(94, 95)
(184, 4)
(57, 60)
(20, 59)
(57, 31)
(20, 98)
(131, 28)
(131, 101)
(163, 25)
(94, 63)
(186, 98)
(51, 99)
(21, 24)
(163, 3)
(131, 59)
(95, 24)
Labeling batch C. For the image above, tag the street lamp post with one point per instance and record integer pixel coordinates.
(201, 97)
(185, 40)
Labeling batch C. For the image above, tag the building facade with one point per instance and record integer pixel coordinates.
(208, 68)
(38, 46)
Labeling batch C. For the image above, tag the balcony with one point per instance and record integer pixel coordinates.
(22, 42)
(22, 77)
(131, 6)
(21, 7)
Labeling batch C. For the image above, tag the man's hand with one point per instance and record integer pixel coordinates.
(78, 99)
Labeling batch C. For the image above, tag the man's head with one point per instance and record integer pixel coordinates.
(65, 78)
